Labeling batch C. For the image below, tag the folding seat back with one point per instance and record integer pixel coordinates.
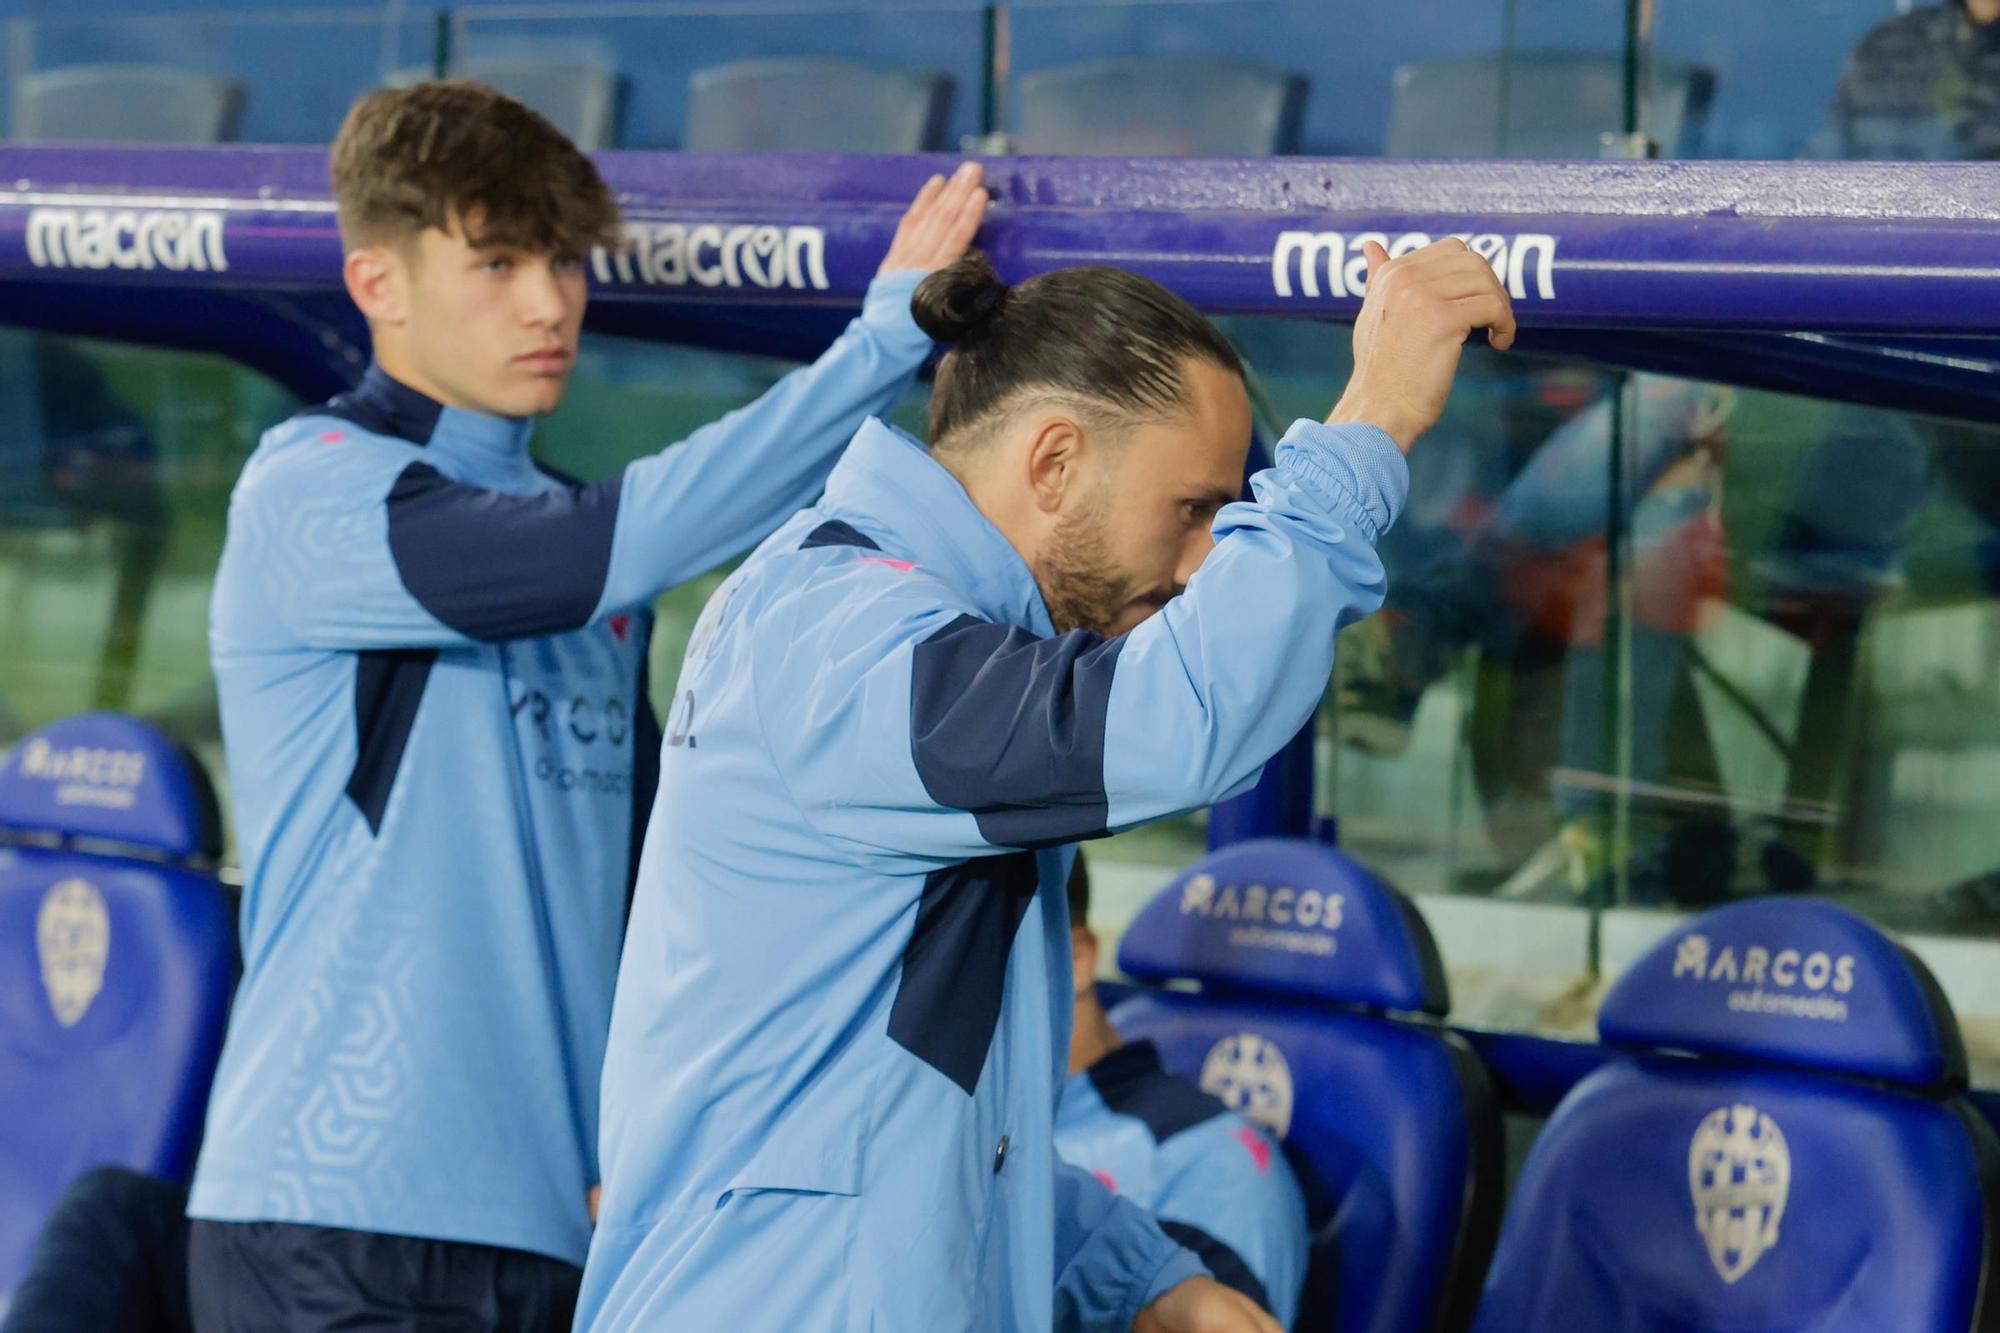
(1320, 991)
(1540, 104)
(1784, 1147)
(1161, 105)
(116, 962)
(815, 106)
(582, 98)
(128, 104)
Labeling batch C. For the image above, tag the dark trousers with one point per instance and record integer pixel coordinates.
(281, 1277)
(112, 1258)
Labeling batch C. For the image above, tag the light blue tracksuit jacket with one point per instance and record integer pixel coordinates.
(431, 658)
(841, 1026)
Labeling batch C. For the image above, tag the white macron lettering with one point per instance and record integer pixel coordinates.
(178, 240)
(1312, 264)
(713, 254)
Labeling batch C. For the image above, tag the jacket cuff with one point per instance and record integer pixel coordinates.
(1356, 468)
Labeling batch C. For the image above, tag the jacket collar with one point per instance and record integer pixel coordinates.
(492, 449)
(888, 485)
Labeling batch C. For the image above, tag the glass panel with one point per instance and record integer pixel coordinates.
(1468, 740)
(1810, 635)
(115, 468)
(1822, 631)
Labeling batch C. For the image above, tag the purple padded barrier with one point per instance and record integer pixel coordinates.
(1857, 247)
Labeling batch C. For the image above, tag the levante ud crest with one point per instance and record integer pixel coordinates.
(1739, 1172)
(73, 937)
(1249, 1075)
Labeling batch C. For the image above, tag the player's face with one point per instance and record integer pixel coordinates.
(1139, 527)
(493, 327)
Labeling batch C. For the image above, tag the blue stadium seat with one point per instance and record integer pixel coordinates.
(1178, 106)
(1540, 104)
(815, 106)
(117, 960)
(1785, 1149)
(1317, 1015)
(126, 103)
(579, 97)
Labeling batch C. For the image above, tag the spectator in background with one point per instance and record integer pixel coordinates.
(1214, 1181)
(1924, 85)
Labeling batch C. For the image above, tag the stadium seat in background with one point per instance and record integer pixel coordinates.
(1785, 1149)
(128, 103)
(815, 106)
(1321, 991)
(1160, 105)
(1540, 104)
(117, 961)
(581, 98)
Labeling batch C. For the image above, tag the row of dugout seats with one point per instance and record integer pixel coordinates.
(1780, 1141)
(1546, 103)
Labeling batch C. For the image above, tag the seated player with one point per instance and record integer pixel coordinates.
(1214, 1181)
(838, 1041)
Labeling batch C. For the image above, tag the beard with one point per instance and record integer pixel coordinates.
(1076, 574)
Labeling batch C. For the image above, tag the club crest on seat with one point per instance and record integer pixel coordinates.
(1248, 1074)
(1740, 1173)
(73, 937)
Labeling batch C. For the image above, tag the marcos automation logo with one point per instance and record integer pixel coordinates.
(179, 240)
(1739, 1174)
(1798, 983)
(86, 774)
(1331, 263)
(714, 254)
(1268, 916)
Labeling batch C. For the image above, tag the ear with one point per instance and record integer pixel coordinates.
(378, 280)
(1055, 458)
(1083, 958)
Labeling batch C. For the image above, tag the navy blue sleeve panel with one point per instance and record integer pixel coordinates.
(1131, 1081)
(948, 998)
(646, 740)
(907, 726)
(837, 532)
(1009, 727)
(388, 686)
(1223, 1263)
(495, 566)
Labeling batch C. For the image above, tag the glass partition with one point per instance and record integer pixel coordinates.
(1649, 644)
(115, 468)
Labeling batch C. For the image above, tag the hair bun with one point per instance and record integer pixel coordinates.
(959, 299)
